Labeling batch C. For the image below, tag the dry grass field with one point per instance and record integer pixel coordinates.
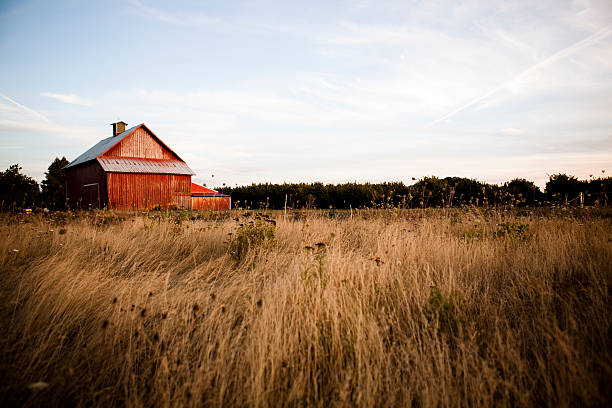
(428, 308)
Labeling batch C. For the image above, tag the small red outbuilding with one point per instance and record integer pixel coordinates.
(203, 198)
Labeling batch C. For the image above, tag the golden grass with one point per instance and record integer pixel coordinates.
(395, 309)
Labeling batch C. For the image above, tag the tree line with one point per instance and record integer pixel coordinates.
(426, 192)
(19, 191)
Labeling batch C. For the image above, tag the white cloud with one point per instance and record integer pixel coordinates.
(67, 98)
(518, 83)
(18, 118)
(511, 131)
(173, 18)
(65, 132)
(21, 107)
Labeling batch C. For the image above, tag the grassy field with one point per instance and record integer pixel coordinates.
(374, 308)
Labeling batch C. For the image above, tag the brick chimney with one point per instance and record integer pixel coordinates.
(118, 127)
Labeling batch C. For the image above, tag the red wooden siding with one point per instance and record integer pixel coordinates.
(210, 203)
(140, 144)
(86, 187)
(127, 191)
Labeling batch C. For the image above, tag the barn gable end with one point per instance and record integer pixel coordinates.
(141, 143)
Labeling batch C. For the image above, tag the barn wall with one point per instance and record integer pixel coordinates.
(127, 191)
(140, 144)
(86, 187)
(210, 203)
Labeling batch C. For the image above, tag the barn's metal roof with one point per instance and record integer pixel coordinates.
(133, 165)
(105, 145)
(101, 147)
(201, 191)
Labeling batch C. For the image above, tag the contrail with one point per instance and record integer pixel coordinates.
(32, 111)
(566, 52)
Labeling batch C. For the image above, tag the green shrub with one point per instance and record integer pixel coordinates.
(253, 234)
(443, 309)
(473, 235)
(513, 230)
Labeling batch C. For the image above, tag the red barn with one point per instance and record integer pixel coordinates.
(133, 169)
(203, 198)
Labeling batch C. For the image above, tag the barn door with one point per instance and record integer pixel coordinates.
(91, 196)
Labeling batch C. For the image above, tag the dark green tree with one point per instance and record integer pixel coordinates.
(17, 190)
(54, 185)
(561, 187)
(522, 192)
(426, 192)
(597, 190)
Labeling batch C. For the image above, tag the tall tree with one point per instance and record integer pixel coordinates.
(17, 190)
(54, 185)
(561, 187)
(522, 191)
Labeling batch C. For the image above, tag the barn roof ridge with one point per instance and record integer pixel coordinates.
(108, 143)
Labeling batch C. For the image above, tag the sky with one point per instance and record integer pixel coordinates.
(332, 91)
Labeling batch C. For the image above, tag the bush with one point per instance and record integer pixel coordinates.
(443, 309)
(17, 190)
(513, 230)
(253, 234)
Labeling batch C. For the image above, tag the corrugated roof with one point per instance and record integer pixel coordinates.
(101, 147)
(201, 191)
(196, 188)
(105, 145)
(132, 165)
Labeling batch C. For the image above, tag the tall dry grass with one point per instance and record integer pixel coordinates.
(390, 309)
